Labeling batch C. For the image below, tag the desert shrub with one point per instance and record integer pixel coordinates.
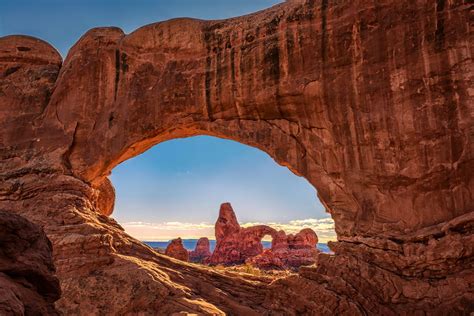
(249, 269)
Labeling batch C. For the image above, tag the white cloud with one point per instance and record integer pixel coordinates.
(324, 228)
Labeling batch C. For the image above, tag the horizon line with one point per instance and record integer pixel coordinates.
(168, 240)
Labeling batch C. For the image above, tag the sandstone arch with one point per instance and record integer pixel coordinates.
(369, 101)
(235, 244)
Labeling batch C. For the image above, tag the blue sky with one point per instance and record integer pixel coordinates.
(177, 187)
(193, 176)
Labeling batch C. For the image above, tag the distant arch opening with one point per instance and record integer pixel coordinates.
(266, 242)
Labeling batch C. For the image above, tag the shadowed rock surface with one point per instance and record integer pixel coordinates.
(28, 285)
(370, 101)
(202, 251)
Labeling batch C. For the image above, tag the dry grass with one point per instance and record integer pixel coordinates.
(249, 269)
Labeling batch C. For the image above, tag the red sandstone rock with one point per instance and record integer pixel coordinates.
(267, 260)
(289, 252)
(370, 101)
(176, 250)
(306, 238)
(27, 282)
(105, 197)
(279, 241)
(235, 244)
(202, 252)
(226, 224)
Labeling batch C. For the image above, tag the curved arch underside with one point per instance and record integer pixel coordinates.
(370, 101)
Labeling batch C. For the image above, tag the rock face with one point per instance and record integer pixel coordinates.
(370, 101)
(176, 250)
(27, 282)
(202, 252)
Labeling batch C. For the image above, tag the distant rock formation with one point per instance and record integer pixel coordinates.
(236, 245)
(202, 252)
(176, 250)
(27, 282)
(290, 251)
(159, 250)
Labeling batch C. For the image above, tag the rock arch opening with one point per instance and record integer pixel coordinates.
(267, 241)
(174, 189)
(370, 103)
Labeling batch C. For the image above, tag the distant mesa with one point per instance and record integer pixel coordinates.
(238, 245)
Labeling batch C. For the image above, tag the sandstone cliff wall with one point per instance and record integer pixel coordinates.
(370, 101)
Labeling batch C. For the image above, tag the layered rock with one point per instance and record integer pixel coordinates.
(28, 285)
(176, 250)
(202, 252)
(370, 101)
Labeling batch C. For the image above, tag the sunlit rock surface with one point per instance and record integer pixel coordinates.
(292, 251)
(370, 101)
(236, 245)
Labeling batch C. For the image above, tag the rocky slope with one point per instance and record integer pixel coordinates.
(370, 101)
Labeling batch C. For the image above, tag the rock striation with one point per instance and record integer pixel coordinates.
(176, 250)
(202, 252)
(28, 285)
(370, 101)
